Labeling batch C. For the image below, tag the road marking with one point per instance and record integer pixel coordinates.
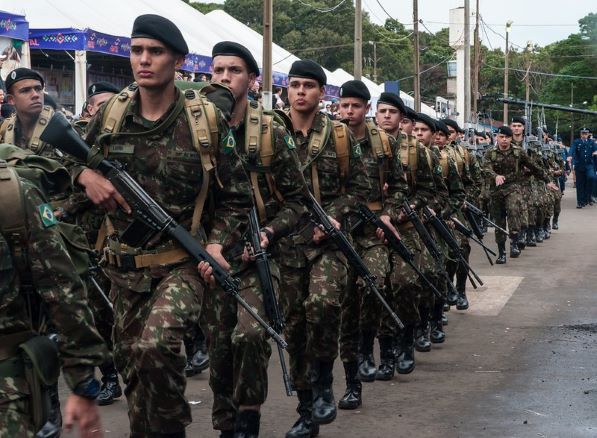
(489, 299)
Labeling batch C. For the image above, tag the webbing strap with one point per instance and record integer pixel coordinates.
(35, 143)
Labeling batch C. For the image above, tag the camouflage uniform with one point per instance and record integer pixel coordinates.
(506, 199)
(63, 295)
(155, 305)
(314, 277)
(361, 309)
(239, 349)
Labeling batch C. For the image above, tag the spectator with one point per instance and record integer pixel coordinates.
(278, 101)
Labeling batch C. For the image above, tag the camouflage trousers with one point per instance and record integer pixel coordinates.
(505, 203)
(239, 350)
(311, 297)
(15, 413)
(153, 310)
(361, 309)
(404, 289)
(103, 315)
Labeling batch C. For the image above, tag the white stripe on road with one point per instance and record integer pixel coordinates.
(489, 299)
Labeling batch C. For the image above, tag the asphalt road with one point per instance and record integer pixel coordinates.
(520, 363)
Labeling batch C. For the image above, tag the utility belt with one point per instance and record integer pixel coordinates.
(125, 258)
(34, 358)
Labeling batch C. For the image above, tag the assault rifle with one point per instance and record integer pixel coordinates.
(397, 245)
(442, 229)
(468, 232)
(479, 213)
(429, 243)
(149, 216)
(321, 218)
(270, 303)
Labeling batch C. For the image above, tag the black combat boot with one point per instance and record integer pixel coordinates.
(200, 360)
(444, 319)
(461, 276)
(247, 424)
(367, 367)
(514, 249)
(451, 268)
(387, 361)
(437, 335)
(52, 427)
(522, 239)
(110, 387)
(304, 426)
(422, 341)
(324, 405)
(539, 234)
(352, 397)
(406, 360)
(546, 229)
(531, 242)
(501, 259)
(554, 222)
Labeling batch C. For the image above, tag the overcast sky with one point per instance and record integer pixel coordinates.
(542, 22)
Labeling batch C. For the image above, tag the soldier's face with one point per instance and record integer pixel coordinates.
(232, 72)
(304, 94)
(354, 110)
(453, 134)
(517, 128)
(153, 63)
(504, 141)
(27, 96)
(406, 126)
(440, 139)
(97, 100)
(423, 133)
(388, 117)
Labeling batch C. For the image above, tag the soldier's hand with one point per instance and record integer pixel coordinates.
(499, 180)
(101, 191)
(206, 270)
(319, 235)
(388, 222)
(83, 412)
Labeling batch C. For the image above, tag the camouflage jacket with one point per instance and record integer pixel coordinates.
(53, 284)
(165, 163)
(233, 194)
(509, 163)
(452, 193)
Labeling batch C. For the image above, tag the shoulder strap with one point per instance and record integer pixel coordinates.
(7, 130)
(342, 143)
(444, 162)
(380, 145)
(317, 141)
(12, 215)
(115, 108)
(202, 118)
(35, 143)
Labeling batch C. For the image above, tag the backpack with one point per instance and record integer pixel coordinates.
(7, 130)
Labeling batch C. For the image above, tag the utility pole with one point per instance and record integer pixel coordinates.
(417, 81)
(266, 71)
(527, 77)
(358, 40)
(508, 25)
(477, 62)
(467, 62)
(374, 61)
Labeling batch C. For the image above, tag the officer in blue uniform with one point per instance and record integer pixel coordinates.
(582, 151)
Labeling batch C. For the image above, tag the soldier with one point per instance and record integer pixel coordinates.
(504, 165)
(98, 93)
(156, 287)
(38, 271)
(360, 307)
(313, 274)
(260, 169)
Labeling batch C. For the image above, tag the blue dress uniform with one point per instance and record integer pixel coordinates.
(581, 152)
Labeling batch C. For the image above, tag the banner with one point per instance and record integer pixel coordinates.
(14, 26)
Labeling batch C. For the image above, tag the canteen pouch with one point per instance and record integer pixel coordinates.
(42, 368)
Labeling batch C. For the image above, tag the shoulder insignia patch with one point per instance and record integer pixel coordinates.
(229, 142)
(438, 169)
(356, 150)
(289, 141)
(47, 215)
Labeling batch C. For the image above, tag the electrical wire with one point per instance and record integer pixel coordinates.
(322, 10)
(556, 75)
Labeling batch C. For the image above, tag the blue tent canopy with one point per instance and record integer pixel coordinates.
(13, 26)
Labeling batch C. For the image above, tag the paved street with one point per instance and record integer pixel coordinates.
(519, 363)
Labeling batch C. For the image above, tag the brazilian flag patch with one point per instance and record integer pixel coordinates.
(47, 215)
(229, 142)
(289, 142)
(438, 169)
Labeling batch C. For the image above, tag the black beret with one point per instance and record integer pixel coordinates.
(159, 28)
(101, 87)
(505, 130)
(453, 124)
(424, 118)
(410, 113)
(441, 126)
(306, 68)
(355, 88)
(50, 101)
(7, 110)
(519, 119)
(230, 48)
(392, 99)
(20, 74)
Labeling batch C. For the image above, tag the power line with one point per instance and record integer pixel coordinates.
(557, 75)
(322, 10)
(513, 25)
(430, 68)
